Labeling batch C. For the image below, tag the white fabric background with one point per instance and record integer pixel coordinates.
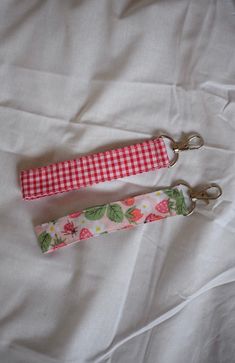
(82, 76)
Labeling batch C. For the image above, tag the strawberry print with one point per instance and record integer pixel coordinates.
(75, 215)
(133, 214)
(163, 206)
(129, 201)
(153, 217)
(85, 234)
(70, 229)
(107, 218)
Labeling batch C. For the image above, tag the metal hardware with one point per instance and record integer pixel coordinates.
(210, 192)
(192, 142)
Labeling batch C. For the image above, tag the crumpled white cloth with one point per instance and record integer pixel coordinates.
(82, 76)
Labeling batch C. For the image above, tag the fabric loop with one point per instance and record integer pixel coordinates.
(111, 217)
(95, 168)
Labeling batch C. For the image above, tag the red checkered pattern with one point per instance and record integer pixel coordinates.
(92, 169)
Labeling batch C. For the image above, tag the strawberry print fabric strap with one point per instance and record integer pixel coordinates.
(92, 169)
(111, 217)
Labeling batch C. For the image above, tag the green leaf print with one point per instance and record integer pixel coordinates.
(128, 213)
(115, 213)
(176, 202)
(58, 240)
(180, 204)
(95, 213)
(171, 205)
(176, 193)
(170, 193)
(45, 241)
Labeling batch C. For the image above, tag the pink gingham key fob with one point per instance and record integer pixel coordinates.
(104, 166)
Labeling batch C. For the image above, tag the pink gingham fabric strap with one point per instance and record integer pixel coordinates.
(95, 168)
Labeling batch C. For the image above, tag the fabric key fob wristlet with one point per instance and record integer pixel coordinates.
(125, 214)
(104, 166)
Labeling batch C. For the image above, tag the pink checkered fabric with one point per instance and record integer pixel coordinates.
(92, 169)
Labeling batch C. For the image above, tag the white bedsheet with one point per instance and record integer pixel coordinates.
(82, 76)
